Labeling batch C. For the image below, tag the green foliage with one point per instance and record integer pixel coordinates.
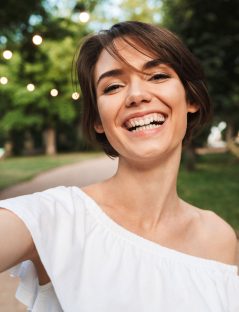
(16, 120)
(144, 11)
(121, 10)
(15, 16)
(47, 66)
(22, 109)
(210, 29)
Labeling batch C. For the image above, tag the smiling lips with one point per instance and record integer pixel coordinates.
(149, 121)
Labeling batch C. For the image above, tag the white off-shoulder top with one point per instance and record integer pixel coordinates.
(96, 265)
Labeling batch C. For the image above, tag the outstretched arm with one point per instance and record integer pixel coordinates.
(16, 243)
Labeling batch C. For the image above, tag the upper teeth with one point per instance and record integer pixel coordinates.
(145, 120)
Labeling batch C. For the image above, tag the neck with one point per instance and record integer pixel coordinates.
(147, 194)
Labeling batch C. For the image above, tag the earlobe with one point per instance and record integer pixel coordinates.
(99, 128)
(192, 108)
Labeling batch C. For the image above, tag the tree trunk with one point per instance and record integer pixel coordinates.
(229, 132)
(189, 157)
(232, 146)
(28, 144)
(50, 141)
(8, 148)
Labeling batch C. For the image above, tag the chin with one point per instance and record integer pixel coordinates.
(150, 156)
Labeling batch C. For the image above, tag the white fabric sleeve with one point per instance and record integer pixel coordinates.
(48, 217)
(233, 293)
(37, 298)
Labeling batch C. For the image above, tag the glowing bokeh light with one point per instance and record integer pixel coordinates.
(75, 96)
(7, 54)
(84, 17)
(30, 87)
(3, 80)
(54, 92)
(37, 39)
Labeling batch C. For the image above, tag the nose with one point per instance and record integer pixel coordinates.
(137, 94)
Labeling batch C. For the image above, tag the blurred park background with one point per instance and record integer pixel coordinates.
(40, 100)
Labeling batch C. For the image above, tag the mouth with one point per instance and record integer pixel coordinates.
(146, 122)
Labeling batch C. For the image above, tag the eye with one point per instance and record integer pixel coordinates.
(112, 88)
(159, 76)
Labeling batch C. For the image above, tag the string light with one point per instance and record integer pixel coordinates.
(30, 87)
(54, 92)
(7, 54)
(3, 80)
(37, 39)
(75, 96)
(84, 17)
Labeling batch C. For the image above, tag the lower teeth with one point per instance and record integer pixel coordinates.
(146, 128)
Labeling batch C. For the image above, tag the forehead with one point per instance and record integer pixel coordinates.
(134, 54)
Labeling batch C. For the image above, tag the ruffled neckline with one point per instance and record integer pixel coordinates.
(150, 246)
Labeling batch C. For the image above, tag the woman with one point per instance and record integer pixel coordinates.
(128, 243)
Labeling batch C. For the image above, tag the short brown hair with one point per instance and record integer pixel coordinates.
(161, 42)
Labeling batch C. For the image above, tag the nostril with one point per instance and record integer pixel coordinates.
(137, 99)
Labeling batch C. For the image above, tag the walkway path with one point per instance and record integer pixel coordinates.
(79, 174)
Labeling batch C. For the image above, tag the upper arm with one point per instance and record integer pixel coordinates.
(223, 240)
(15, 240)
(228, 250)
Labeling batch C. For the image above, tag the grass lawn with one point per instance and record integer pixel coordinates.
(214, 185)
(17, 169)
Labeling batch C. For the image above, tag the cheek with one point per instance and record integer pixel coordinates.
(177, 98)
(102, 110)
(182, 123)
(108, 111)
(105, 116)
(172, 93)
(106, 119)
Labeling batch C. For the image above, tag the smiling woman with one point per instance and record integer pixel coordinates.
(146, 89)
(159, 48)
(128, 243)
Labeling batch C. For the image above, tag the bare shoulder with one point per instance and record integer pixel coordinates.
(94, 190)
(218, 237)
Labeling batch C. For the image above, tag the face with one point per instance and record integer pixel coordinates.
(143, 113)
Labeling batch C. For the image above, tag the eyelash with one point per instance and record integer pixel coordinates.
(114, 87)
(159, 76)
(111, 88)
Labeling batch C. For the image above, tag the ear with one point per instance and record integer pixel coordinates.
(99, 128)
(192, 108)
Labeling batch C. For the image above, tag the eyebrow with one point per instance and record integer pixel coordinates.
(110, 73)
(151, 64)
(119, 72)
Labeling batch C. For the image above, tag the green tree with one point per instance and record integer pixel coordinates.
(15, 17)
(210, 29)
(145, 11)
(48, 67)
